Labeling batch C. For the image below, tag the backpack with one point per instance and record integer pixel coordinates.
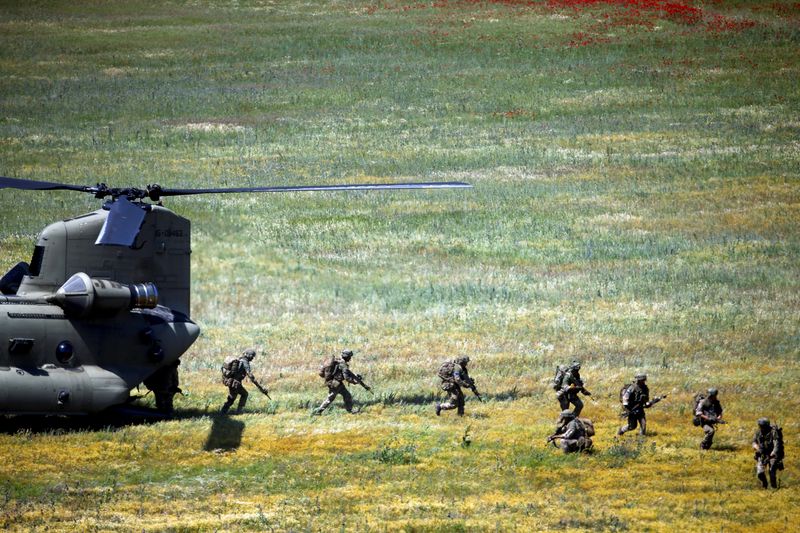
(447, 370)
(230, 367)
(622, 392)
(588, 426)
(777, 436)
(558, 379)
(327, 369)
(698, 399)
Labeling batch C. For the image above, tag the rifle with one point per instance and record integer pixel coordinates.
(474, 390)
(654, 401)
(648, 405)
(357, 379)
(553, 437)
(261, 388)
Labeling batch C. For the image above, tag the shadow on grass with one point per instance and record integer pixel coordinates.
(104, 421)
(225, 435)
(392, 398)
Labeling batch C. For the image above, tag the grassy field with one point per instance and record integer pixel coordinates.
(636, 172)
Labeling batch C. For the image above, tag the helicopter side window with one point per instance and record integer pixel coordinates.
(36, 261)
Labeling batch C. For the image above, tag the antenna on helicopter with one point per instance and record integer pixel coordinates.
(125, 218)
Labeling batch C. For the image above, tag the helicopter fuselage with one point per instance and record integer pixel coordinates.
(56, 364)
(74, 338)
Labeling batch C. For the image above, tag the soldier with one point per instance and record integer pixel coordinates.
(635, 399)
(768, 446)
(571, 384)
(336, 372)
(573, 433)
(234, 370)
(709, 413)
(454, 375)
(165, 385)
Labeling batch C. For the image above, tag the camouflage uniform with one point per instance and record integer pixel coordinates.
(768, 446)
(572, 385)
(335, 380)
(572, 433)
(634, 400)
(234, 383)
(165, 385)
(454, 375)
(710, 412)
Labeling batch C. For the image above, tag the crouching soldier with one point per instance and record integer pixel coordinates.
(575, 433)
(454, 375)
(234, 370)
(768, 446)
(336, 372)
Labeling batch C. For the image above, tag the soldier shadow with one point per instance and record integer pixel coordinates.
(392, 398)
(726, 447)
(225, 435)
(400, 399)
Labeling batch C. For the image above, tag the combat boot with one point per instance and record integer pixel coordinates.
(763, 479)
(438, 409)
(226, 407)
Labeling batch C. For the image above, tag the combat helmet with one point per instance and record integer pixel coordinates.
(641, 376)
(576, 365)
(347, 354)
(249, 354)
(463, 360)
(712, 392)
(763, 422)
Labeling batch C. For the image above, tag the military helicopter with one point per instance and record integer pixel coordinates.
(103, 305)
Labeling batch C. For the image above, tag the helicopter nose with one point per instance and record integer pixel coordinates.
(174, 338)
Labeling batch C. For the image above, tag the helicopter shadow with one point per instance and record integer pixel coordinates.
(225, 435)
(106, 421)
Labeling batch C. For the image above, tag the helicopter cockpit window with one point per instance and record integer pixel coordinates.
(64, 352)
(36, 261)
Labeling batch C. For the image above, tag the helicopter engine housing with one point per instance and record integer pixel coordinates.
(83, 296)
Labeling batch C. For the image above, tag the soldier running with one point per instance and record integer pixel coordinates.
(708, 414)
(768, 446)
(234, 370)
(635, 399)
(570, 386)
(336, 372)
(572, 432)
(454, 375)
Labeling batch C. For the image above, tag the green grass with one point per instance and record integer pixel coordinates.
(635, 206)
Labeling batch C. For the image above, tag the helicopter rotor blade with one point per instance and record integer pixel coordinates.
(122, 225)
(32, 185)
(156, 191)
